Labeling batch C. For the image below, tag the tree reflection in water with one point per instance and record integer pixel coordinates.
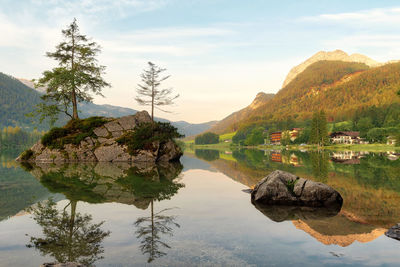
(139, 185)
(154, 186)
(67, 237)
(150, 230)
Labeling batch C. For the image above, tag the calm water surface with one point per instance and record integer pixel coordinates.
(195, 213)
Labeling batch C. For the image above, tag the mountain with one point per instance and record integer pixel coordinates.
(340, 88)
(230, 123)
(191, 129)
(337, 55)
(16, 99)
(19, 97)
(30, 84)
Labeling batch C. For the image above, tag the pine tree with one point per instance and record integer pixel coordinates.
(77, 75)
(319, 129)
(323, 130)
(149, 93)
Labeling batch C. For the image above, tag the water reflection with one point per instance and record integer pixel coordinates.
(207, 154)
(150, 231)
(369, 186)
(67, 237)
(72, 237)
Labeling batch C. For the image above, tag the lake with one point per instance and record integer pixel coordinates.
(195, 213)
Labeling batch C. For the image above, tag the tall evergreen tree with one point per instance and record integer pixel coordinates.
(319, 129)
(149, 93)
(78, 74)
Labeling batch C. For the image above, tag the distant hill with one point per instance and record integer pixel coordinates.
(231, 123)
(18, 97)
(337, 55)
(340, 88)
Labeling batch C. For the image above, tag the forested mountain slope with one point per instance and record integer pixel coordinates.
(340, 88)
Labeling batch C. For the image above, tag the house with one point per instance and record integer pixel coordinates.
(275, 138)
(276, 156)
(294, 133)
(346, 138)
(391, 140)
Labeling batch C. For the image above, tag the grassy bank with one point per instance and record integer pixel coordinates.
(228, 146)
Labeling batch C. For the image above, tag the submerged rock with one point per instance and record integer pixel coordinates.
(283, 188)
(394, 232)
(102, 146)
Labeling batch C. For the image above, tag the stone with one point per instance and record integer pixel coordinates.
(117, 134)
(108, 153)
(169, 152)
(102, 140)
(123, 157)
(127, 122)
(394, 232)
(103, 147)
(113, 126)
(50, 156)
(142, 117)
(283, 188)
(101, 132)
(37, 148)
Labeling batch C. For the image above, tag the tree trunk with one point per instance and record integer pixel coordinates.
(73, 94)
(74, 106)
(71, 229)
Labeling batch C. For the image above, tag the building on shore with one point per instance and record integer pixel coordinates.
(344, 137)
(276, 137)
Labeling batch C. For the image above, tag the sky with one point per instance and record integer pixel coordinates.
(219, 53)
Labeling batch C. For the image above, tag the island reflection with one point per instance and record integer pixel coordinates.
(138, 185)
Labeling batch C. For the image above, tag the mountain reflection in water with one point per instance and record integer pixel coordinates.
(368, 182)
(150, 217)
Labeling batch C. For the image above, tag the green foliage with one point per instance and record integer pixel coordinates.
(242, 133)
(290, 185)
(77, 75)
(207, 154)
(342, 126)
(285, 139)
(67, 237)
(319, 130)
(16, 100)
(304, 136)
(147, 133)
(16, 137)
(207, 138)
(72, 133)
(256, 137)
(26, 155)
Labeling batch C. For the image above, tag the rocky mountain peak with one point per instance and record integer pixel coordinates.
(329, 55)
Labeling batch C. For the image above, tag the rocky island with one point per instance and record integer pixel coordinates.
(286, 189)
(133, 138)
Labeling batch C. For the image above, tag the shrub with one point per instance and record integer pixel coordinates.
(26, 155)
(290, 185)
(146, 133)
(72, 133)
(207, 138)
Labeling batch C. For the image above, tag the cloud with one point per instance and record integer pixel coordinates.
(97, 7)
(363, 17)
